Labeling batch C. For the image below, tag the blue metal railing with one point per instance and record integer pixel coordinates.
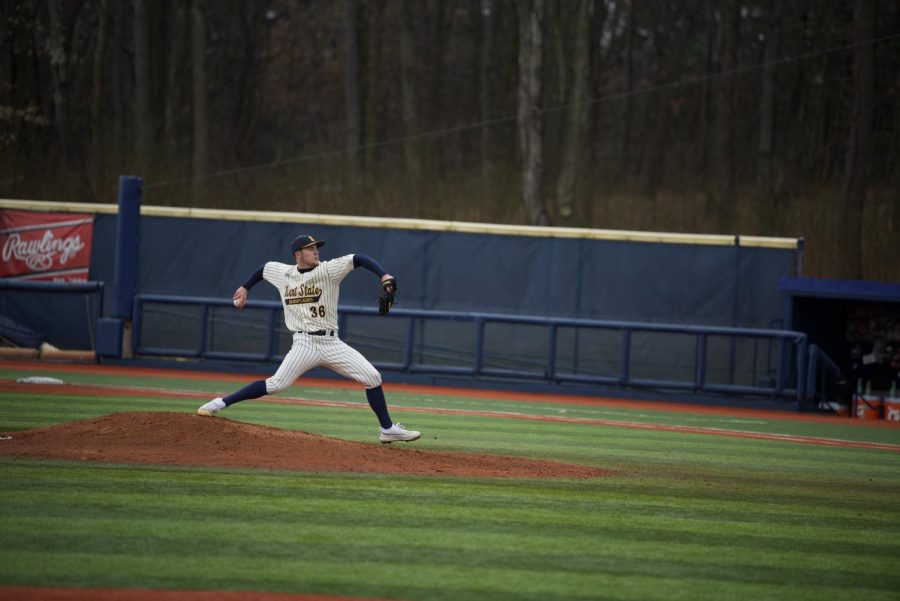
(62, 287)
(790, 347)
(820, 368)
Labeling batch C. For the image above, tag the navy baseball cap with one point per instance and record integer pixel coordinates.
(305, 241)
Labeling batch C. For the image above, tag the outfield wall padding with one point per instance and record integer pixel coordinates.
(527, 275)
(558, 272)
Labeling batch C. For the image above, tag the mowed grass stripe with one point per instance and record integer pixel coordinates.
(850, 493)
(616, 557)
(457, 531)
(382, 577)
(557, 506)
(635, 523)
(275, 537)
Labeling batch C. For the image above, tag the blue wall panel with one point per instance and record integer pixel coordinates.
(637, 281)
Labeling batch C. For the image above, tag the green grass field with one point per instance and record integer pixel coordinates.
(684, 516)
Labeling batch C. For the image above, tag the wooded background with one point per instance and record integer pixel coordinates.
(750, 117)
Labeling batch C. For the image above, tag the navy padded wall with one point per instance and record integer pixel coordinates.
(600, 279)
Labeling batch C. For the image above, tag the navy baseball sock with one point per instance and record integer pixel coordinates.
(379, 406)
(253, 390)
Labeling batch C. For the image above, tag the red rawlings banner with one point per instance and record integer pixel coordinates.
(45, 246)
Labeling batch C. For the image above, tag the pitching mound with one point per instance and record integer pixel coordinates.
(186, 439)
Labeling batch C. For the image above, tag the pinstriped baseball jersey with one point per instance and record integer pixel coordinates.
(310, 298)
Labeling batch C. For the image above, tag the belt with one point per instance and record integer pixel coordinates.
(319, 333)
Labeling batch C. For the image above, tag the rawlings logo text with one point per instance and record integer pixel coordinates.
(38, 253)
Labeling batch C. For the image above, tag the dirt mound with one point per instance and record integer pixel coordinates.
(187, 439)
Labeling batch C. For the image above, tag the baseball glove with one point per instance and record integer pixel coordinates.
(386, 300)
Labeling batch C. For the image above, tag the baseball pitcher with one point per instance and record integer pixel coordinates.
(309, 294)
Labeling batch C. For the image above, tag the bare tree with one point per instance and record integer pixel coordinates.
(201, 117)
(629, 86)
(175, 93)
(253, 56)
(409, 93)
(352, 102)
(373, 62)
(709, 13)
(671, 38)
(118, 68)
(529, 116)
(58, 52)
(764, 146)
(487, 14)
(725, 111)
(438, 31)
(143, 117)
(576, 119)
(97, 100)
(859, 144)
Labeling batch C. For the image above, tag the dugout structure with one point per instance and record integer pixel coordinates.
(855, 323)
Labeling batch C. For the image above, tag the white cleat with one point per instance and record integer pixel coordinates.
(398, 433)
(210, 409)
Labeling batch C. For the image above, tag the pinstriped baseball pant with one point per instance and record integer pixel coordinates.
(308, 352)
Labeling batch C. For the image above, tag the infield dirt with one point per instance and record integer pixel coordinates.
(165, 438)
